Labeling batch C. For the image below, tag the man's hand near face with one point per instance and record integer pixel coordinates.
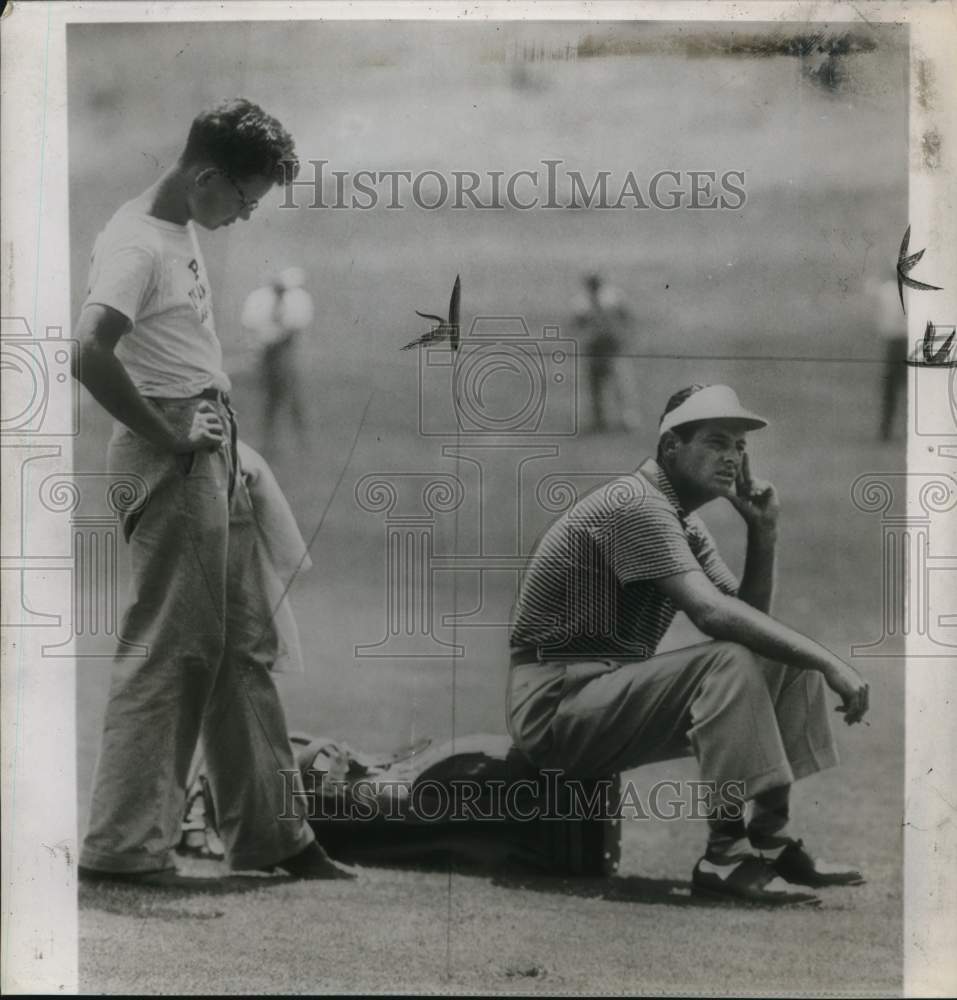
(756, 500)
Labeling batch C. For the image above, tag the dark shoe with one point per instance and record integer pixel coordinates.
(796, 865)
(747, 878)
(313, 863)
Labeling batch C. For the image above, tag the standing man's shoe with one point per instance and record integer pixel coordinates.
(746, 878)
(313, 863)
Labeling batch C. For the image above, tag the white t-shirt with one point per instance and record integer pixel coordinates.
(153, 273)
(267, 322)
(609, 299)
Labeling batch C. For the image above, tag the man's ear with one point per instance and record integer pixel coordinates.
(668, 444)
(204, 175)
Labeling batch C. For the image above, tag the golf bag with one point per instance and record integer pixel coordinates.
(475, 800)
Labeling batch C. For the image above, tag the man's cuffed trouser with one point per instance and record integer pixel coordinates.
(746, 719)
(198, 604)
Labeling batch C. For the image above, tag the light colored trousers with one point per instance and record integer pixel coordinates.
(746, 719)
(198, 602)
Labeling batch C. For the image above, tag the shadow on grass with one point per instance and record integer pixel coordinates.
(525, 871)
(612, 888)
(160, 900)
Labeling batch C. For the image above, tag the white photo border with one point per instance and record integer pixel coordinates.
(38, 942)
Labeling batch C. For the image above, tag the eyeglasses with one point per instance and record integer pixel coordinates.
(246, 204)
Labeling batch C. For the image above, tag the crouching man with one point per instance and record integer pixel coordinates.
(588, 694)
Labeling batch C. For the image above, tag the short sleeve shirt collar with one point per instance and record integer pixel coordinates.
(654, 473)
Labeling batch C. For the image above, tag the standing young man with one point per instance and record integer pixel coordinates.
(588, 694)
(150, 356)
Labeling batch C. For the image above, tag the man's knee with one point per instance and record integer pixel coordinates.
(727, 653)
(735, 665)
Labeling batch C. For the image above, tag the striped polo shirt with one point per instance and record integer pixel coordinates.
(588, 590)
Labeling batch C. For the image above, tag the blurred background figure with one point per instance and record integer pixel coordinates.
(891, 327)
(278, 316)
(606, 338)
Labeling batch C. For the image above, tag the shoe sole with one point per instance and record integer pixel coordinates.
(826, 884)
(336, 876)
(715, 895)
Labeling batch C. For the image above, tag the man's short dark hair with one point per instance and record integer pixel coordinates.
(238, 137)
(684, 431)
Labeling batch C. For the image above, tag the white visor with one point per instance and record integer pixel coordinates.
(713, 402)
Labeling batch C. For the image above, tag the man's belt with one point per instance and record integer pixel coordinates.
(216, 395)
(520, 655)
